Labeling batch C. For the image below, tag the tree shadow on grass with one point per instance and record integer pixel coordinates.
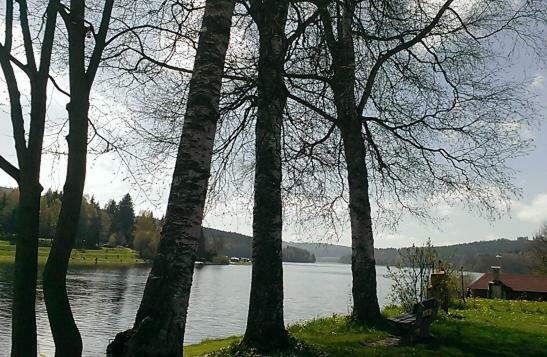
(337, 337)
(450, 338)
(474, 338)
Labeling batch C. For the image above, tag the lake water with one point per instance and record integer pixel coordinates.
(105, 300)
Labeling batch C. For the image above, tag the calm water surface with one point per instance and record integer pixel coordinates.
(105, 300)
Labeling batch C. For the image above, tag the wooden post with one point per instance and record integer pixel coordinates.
(463, 292)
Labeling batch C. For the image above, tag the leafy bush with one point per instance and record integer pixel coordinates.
(113, 240)
(411, 276)
(146, 243)
(221, 259)
(45, 242)
(146, 235)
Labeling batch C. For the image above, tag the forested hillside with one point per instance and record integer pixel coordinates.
(116, 224)
(476, 256)
(324, 252)
(112, 224)
(227, 243)
(232, 244)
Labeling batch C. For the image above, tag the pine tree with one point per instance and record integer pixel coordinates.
(94, 229)
(126, 219)
(3, 201)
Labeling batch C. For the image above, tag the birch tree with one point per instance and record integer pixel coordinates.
(265, 324)
(161, 319)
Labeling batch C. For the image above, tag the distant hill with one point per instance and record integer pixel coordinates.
(228, 243)
(475, 256)
(239, 245)
(480, 256)
(297, 255)
(323, 252)
(5, 190)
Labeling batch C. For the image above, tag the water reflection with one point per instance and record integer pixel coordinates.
(105, 300)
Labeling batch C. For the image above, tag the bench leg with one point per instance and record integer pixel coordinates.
(407, 339)
(424, 331)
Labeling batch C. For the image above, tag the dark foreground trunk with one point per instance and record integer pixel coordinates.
(29, 157)
(68, 341)
(363, 266)
(365, 301)
(23, 336)
(24, 342)
(66, 336)
(265, 324)
(161, 318)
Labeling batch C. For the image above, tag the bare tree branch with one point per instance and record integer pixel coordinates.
(9, 168)
(100, 43)
(403, 46)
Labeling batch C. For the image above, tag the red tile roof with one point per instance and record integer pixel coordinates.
(526, 283)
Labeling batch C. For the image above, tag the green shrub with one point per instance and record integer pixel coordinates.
(45, 242)
(411, 276)
(221, 259)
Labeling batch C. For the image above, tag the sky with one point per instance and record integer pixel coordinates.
(107, 179)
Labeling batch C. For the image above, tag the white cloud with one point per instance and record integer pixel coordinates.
(397, 239)
(534, 212)
(538, 81)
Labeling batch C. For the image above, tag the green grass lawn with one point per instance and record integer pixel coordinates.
(482, 328)
(104, 256)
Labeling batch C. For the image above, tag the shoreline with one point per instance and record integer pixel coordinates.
(102, 257)
(475, 326)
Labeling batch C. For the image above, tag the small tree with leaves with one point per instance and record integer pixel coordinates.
(146, 235)
(411, 275)
(539, 249)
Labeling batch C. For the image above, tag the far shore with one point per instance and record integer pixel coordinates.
(473, 328)
(119, 256)
(102, 257)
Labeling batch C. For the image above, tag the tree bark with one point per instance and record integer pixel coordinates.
(68, 341)
(23, 338)
(29, 157)
(265, 324)
(161, 318)
(366, 309)
(363, 265)
(66, 336)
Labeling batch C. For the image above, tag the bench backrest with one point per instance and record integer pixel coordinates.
(426, 311)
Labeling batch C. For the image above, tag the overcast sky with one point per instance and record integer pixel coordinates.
(106, 179)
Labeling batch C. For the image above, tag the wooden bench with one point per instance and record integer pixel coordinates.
(422, 315)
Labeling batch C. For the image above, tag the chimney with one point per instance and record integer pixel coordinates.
(496, 271)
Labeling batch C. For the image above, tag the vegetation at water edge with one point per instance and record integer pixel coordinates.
(480, 328)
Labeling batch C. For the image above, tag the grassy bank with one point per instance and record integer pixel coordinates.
(91, 257)
(482, 328)
(80, 257)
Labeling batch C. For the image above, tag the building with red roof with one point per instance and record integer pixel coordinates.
(510, 286)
